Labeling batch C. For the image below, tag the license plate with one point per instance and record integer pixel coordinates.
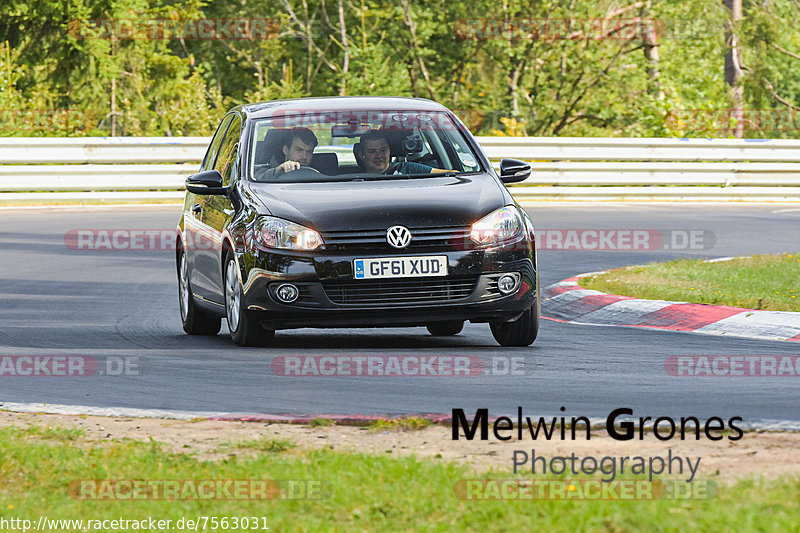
(400, 267)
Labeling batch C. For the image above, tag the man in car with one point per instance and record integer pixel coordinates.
(298, 148)
(374, 156)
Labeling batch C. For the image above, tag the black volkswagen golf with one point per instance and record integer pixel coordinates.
(353, 212)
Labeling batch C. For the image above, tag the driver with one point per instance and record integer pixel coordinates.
(374, 156)
(298, 148)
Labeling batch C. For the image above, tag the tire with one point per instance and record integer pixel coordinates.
(521, 332)
(195, 321)
(242, 323)
(446, 329)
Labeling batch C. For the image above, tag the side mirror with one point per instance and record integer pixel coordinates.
(208, 182)
(514, 171)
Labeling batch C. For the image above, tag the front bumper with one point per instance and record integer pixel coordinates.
(330, 297)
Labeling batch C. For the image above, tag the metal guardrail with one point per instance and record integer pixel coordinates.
(101, 150)
(563, 167)
(640, 149)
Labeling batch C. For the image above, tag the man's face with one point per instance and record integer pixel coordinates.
(299, 151)
(376, 156)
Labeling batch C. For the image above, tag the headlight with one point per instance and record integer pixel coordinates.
(498, 227)
(272, 232)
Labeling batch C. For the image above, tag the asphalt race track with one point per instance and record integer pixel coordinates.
(123, 304)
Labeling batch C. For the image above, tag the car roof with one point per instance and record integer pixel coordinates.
(339, 104)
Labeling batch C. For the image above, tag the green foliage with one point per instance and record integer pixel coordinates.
(10, 97)
(516, 67)
(374, 74)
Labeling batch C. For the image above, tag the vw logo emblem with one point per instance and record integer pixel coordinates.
(398, 236)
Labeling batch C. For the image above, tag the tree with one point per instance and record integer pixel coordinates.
(733, 63)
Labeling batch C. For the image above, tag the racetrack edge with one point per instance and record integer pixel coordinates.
(568, 302)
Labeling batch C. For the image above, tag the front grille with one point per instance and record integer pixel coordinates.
(304, 296)
(492, 291)
(400, 291)
(441, 238)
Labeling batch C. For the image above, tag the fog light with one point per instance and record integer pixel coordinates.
(287, 293)
(507, 283)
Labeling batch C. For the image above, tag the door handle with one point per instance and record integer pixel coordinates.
(197, 208)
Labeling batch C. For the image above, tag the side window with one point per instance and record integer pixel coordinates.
(211, 154)
(228, 150)
(458, 151)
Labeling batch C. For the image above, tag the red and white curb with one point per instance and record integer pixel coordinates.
(566, 301)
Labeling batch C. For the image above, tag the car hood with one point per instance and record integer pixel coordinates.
(365, 205)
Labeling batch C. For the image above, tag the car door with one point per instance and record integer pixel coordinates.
(196, 203)
(216, 211)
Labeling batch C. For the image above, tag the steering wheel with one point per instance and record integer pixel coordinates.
(306, 167)
(304, 173)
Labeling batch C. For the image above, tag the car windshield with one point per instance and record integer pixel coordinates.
(366, 145)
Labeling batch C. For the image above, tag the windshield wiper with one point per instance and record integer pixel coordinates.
(372, 177)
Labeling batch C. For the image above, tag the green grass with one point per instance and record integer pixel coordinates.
(769, 282)
(55, 433)
(264, 444)
(409, 423)
(320, 422)
(360, 493)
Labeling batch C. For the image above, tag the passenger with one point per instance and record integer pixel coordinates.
(374, 156)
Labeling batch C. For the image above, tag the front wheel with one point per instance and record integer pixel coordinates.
(243, 324)
(521, 332)
(194, 320)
